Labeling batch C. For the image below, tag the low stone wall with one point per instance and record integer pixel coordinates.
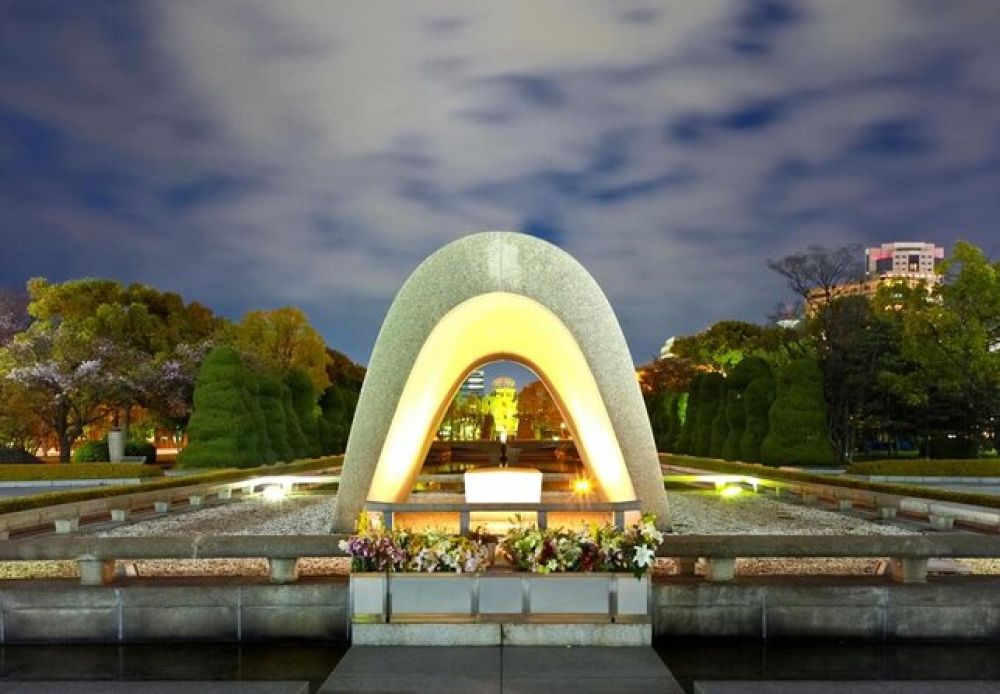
(220, 610)
(59, 611)
(952, 608)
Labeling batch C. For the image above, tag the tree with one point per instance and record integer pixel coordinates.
(20, 427)
(338, 402)
(757, 400)
(145, 339)
(14, 316)
(797, 431)
(223, 430)
(282, 340)
(735, 404)
(709, 399)
(672, 373)
(953, 340)
(857, 346)
(62, 377)
(820, 268)
(722, 346)
(538, 411)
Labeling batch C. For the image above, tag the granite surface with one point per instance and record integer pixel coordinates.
(509, 262)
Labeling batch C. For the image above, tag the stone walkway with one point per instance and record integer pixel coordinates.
(492, 670)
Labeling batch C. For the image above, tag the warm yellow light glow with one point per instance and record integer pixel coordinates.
(274, 493)
(731, 491)
(581, 485)
(498, 325)
(503, 484)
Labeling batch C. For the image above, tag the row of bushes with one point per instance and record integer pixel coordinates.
(928, 468)
(772, 473)
(97, 451)
(243, 417)
(91, 471)
(24, 503)
(753, 415)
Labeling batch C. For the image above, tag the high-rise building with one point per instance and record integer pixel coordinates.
(474, 384)
(904, 259)
(909, 263)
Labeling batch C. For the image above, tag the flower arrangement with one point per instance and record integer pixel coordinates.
(374, 548)
(595, 548)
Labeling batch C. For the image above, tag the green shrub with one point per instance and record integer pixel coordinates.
(223, 431)
(306, 410)
(687, 438)
(296, 437)
(263, 443)
(91, 452)
(757, 400)
(928, 468)
(680, 412)
(735, 408)
(720, 425)
(797, 431)
(23, 503)
(337, 405)
(10, 456)
(708, 406)
(77, 471)
(273, 408)
(97, 451)
(671, 421)
(951, 447)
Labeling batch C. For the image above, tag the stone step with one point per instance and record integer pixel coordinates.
(500, 633)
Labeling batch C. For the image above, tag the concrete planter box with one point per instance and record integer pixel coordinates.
(377, 597)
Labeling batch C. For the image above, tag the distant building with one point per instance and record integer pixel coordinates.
(501, 404)
(474, 384)
(667, 350)
(908, 263)
(904, 259)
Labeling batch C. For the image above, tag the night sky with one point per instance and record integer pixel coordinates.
(257, 154)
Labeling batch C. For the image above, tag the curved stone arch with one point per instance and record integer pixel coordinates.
(509, 263)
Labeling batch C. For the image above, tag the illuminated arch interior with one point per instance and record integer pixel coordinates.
(488, 327)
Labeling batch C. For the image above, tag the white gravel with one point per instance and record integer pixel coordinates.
(706, 513)
(693, 513)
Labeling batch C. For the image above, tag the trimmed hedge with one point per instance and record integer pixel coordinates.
(928, 468)
(797, 432)
(757, 399)
(23, 503)
(772, 473)
(224, 430)
(709, 401)
(97, 451)
(83, 471)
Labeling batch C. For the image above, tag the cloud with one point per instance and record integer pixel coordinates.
(894, 137)
(261, 153)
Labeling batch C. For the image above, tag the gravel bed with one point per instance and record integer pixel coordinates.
(693, 513)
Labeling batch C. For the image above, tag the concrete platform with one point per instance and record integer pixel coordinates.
(492, 670)
(500, 634)
(855, 687)
(153, 687)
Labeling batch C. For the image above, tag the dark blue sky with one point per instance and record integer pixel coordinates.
(257, 154)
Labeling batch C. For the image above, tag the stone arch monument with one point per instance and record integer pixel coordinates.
(489, 296)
